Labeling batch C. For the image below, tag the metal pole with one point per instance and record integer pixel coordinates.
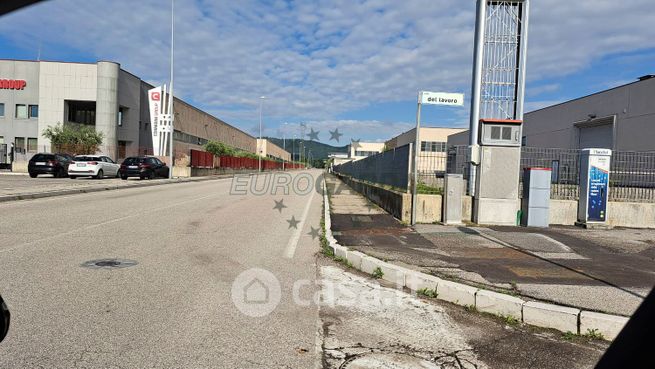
(476, 85)
(259, 142)
(417, 148)
(284, 146)
(523, 56)
(171, 98)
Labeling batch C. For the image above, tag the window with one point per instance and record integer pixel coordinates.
(122, 113)
(34, 111)
(507, 133)
(433, 146)
(524, 140)
(495, 133)
(21, 111)
(2, 110)
(32, 144)
(83, 112)
(19, 145)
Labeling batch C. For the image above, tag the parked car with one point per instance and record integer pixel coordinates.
(47, 163)
(143, 167)
(4, 319)
(97, 166)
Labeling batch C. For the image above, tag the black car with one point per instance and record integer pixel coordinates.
(143, 167)
(46, 163)
(4, 319)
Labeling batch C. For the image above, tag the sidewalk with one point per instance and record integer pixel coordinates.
(602, 270)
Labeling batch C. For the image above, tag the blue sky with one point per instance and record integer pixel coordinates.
(355, 65)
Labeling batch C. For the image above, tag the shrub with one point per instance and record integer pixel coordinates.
(74, 138)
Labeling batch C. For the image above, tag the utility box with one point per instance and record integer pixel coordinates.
(535, 206)
(594, 187)
(452, 207)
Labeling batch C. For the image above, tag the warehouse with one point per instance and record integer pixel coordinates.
(621, 119)
(39, 94)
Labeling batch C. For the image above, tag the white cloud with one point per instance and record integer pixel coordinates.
(317, 60)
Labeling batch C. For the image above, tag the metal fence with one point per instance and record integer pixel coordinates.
(432, 167)
(632, 174)
(389, 168)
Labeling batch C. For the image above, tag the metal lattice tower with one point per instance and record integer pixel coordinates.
(502, 47)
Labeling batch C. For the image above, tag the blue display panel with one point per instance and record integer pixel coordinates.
(597, 195)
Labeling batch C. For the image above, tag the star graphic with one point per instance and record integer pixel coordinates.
(313, 135)
(293, 222)
(279, 205)
(313, 233)
(355, 143)
(335, 134)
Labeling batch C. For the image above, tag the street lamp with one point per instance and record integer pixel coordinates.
(284, 143)
(259, 144)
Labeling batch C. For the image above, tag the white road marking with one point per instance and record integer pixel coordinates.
(290, 250)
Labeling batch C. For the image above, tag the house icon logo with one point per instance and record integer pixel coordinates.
(256, 292)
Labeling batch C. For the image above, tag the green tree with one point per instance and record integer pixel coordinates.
(73, 139)
(219, 148)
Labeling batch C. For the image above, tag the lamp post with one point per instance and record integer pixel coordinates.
(259, 145)
(284, 143)
(171, 98)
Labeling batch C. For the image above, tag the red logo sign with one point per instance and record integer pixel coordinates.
(12, 84)
(155, 96)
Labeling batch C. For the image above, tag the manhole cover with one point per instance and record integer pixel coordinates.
(384, 360)
(109, 263)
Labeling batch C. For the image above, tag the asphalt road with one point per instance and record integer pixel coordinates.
(175, 307)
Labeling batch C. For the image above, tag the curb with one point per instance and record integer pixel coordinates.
(40, 195)
(562, 318)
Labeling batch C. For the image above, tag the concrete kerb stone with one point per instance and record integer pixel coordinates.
(499, 304)
(355, 258)
(562, 318)
(341, 252)
(456, 293)
(607, 325)
(419, 281)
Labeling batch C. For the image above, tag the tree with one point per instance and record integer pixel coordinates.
(73, 139)
(219, 148)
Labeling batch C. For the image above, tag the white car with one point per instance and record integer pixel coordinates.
(97, 166)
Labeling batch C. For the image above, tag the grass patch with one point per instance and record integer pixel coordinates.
(423, 188)
(428, 292)
(510, 320)
(471, 308)
(593, 334)
(377, 273)
(343, 261)
(569, 336)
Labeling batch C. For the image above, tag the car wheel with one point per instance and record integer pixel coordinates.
(118, 173)
(100, 174)
(33, 175)
(72, 177)
(124, 178)
(152, 175)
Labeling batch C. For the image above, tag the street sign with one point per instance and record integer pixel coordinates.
(441, 98)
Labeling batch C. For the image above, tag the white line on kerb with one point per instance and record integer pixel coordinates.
(295, 237)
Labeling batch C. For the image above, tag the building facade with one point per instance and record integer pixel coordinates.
(361, 150)
(271, 150)
(621, 118)
(35, 95)
(434, 147)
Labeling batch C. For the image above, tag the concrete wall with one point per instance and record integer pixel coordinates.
(270, 149)
(632, 104)
(129, 100)
(10, 126)
(59, 82)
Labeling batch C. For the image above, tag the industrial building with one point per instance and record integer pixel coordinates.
(38, 94)
(268, 149)
(620, 118)
(433, 151)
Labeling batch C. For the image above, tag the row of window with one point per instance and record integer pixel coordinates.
(365, 153)
(23, 111)
(23, 144)
(185, 137)
(433, 146)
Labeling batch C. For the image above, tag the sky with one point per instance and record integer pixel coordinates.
(351, 65)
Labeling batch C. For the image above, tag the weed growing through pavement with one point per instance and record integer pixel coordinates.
(471, 308)
(377, 273)
(569, 336)
(343, 261)
(510, 320)
(428, 292)
(593, 334)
